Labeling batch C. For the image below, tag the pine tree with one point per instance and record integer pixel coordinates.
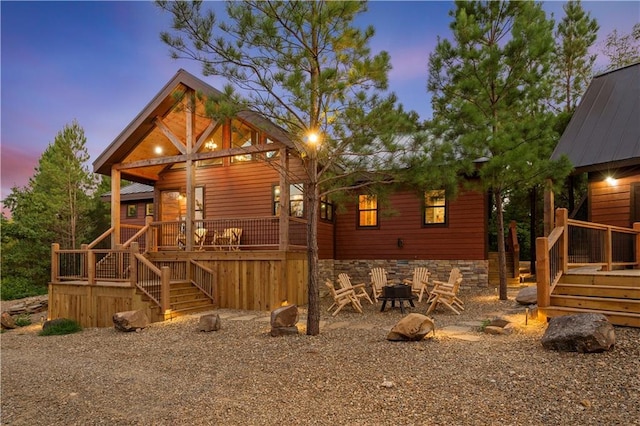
(573, 63)
(53, 207)
(491, 87)
(622, 49)
(308, 68)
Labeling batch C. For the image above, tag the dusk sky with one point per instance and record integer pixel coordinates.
(100, 63)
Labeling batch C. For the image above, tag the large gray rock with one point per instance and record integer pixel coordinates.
(413, 327)
(584, 333)
(209, 322)
(284, 316)
(130, 320)
(527, 296)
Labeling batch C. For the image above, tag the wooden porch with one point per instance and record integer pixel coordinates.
(589, 267)
(151, 270)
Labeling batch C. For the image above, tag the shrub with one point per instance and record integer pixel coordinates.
(23, 320)
(13, 288)
(59, 327)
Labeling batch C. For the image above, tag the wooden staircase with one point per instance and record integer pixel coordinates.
(186, 299)
(615, 296)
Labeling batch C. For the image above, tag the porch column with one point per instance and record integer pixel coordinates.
(284, 201)
(190, 172)
(636, 227)
(115, 207)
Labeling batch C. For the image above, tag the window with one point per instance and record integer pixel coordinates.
(326, 209)
(132, 210)
(173, 204)
(148, 209)
(435, 207)
(213, 143)
(242, 136)
(367, 211)
(271, 154)
(296, 200)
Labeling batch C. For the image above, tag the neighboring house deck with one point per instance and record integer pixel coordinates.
(594, 265)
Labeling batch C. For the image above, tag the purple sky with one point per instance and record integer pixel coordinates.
(101, 62)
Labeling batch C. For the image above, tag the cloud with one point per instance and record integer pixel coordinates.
(17, 166)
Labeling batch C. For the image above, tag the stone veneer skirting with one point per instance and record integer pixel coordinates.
(474, 272)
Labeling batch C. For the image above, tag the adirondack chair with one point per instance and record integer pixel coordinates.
(378, 280)
(419, 282)
(359, 290)
(200, 237)
(341, 298)
(446, 293)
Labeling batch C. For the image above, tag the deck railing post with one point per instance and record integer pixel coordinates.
(543, 271)
(608, 250)
(133, 263)
(165, 274)
(148, 236)
(562, 220)
(55, 262)
(91, 265)
(636, 227)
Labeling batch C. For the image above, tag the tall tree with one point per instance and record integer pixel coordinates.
(53, 207)
(491, 89)
(308, 68)
(622, 49)
(572, 62)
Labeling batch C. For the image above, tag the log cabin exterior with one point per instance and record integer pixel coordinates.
(216, 221)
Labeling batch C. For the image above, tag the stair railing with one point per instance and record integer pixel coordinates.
(551, 258)
(204, 278)
(149, 279)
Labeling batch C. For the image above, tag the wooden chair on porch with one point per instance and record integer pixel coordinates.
(419, 282)
(359, 289)
(200, 237)
(342, 298)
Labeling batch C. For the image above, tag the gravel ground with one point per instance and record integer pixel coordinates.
(172, 374)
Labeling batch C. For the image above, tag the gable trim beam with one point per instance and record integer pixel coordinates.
(167, 132)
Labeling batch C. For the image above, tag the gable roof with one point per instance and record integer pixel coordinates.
(604, 131)
(137, 140)
(134, 191)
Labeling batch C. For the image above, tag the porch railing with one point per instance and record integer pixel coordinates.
(251, 233)
(574, 243)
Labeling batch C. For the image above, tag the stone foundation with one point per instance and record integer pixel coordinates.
(475, 272)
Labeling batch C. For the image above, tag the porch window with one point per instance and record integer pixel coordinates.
(270, 154)
(326, 209)
(213, 143)
(296, 200)
(242, 136)
(173, 205)
(367, 211)
(435, 207)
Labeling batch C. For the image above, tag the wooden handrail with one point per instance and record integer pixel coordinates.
(601, 226)
(137, 235)
(104, 235)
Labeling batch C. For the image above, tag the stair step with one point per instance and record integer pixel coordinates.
(597, 303)
(626, 319)
(190, 304)
(620, 292)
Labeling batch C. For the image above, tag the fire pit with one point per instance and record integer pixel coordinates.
(399, 292)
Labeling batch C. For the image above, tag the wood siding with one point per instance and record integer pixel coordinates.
(611, 204)
(463, 237)
(140, 212)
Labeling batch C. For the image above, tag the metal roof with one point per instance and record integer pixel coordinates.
(604, 131)
(134, 191)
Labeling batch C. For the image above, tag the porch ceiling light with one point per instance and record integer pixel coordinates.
(158, 150)
(211, 145)
(611, 181)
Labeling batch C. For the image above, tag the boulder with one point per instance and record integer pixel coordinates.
(284, 331)
(527, 296)
(209, 322)
(284, 316)
(413, 327)
(130, 320)
(583, 333)
(283, 320)
(7, 322)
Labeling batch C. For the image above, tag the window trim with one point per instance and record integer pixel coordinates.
(445, 206)
(376, 210)
(329, 208)
(132, 211)
(276, 203)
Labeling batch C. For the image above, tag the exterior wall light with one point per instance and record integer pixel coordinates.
(611, 181)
